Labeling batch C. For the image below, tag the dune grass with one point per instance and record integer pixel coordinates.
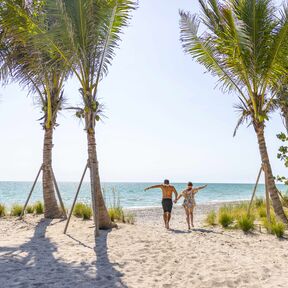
(2, 210)
(30, 209)
(16, 210)
(82, 210)
(38, 207)
(246, 223)
(211, 218)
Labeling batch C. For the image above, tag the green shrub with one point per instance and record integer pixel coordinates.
(2, 210)
(82, 210)
(225, 217)
(38, 207)
(262, 212)
(246, 223)
(278, 229)
(211, 218)
(30, 209)
(116, 213)
(86, 212)
(78, 210)
(129, 218)
(16, 210)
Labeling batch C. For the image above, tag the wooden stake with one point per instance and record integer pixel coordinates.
(74, 201)
(254, 191)
(58, 194)
(33, 186)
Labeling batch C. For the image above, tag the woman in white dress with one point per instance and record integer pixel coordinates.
(189, 201)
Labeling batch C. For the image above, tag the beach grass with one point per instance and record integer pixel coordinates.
(16, 210)
(246, 223)
(38, 207)
(211, 218)
(278, 229)
(82, 210)
(129, 218)
(116, 213)
(2, 210)
(225, 216)
(30, 209)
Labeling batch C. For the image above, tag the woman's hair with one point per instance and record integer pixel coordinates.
(190, 184)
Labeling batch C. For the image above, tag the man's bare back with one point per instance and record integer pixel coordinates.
(167, 191)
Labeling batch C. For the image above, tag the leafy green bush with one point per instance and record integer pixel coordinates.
(225, 217)
(30, 209)
(246, 223)
(211, 218)
(2, 210)
(38, 207)
(16, 210)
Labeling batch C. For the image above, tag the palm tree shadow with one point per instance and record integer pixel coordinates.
(33, 264)
(105, 269)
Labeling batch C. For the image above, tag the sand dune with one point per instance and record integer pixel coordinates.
(36, 253)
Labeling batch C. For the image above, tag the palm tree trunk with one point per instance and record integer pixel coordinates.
(273, 191)
(102, 217)
(50, 202)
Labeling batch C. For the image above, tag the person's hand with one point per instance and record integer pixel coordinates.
(145, 189)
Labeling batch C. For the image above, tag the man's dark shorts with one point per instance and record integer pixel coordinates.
(167, 205)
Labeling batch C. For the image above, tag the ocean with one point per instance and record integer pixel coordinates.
(130, 195)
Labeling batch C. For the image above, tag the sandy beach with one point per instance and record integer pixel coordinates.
(35, 253)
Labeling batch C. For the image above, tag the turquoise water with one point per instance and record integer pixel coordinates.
(130, 194)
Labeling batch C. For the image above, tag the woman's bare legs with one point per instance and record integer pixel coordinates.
(187, 217)
(191, 216)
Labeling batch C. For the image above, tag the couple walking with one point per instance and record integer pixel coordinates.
(188, 204)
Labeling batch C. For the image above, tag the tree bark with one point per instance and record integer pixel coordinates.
(269, 179)
(285, 116)
(101, 218)
(50, 203)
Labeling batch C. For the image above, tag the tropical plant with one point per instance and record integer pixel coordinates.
(246, 223)
(16, 210)
(88, 33)
(282, 101)
(27, 64)
(225, 216)
(30, 209)
(245, 46)
(38, 207)
(211, 218)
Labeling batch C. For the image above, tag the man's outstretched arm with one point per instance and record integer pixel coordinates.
(152, 187)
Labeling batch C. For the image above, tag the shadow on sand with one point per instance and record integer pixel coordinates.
(33, 264)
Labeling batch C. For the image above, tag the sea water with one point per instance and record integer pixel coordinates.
(130, 195)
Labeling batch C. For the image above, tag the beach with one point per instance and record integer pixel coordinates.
(34, 252)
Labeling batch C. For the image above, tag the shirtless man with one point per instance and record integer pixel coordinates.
(167, 191)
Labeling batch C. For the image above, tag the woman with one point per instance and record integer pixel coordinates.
(189, 201)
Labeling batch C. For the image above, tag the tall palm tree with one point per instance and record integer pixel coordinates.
(282, 101)
(244, 45)
(27, 66)
(85, 36)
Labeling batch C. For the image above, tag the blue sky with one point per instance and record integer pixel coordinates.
(165, 119)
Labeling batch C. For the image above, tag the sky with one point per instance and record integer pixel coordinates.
(164, 117)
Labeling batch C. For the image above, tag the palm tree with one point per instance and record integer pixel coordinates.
(85, 36)
(244, 45)
(282, 101)
(27, 66)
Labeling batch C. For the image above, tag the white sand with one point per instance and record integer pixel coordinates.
(36, 253)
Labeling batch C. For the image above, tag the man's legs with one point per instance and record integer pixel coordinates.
(168, 219)
(165, 219)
